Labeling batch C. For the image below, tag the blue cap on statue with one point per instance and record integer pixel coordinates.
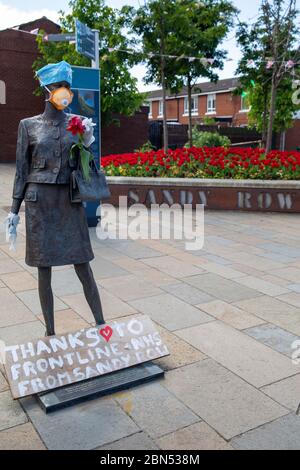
(54, 73)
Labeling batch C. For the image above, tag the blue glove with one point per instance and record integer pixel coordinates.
(12, 221)
(88, 136)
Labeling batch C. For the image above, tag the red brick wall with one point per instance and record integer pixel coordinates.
(132, 133)
(18, 51)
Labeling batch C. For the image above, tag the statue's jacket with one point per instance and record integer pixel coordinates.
(56, 229)
(43, 152)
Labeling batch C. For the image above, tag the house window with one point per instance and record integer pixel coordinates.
(211, 103)
(245, 105)
(150, 108)
(194, 105)
(160, 108)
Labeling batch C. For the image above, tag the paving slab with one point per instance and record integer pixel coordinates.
(17, 334)
(257, 364)
(151, 275)
(293, 298)
(138, 441)
(294, 287)
(160, 245)
(187, 293)
(103, 268)
(22, 437)
(286, 392)
(247, 270)
(253, 261)
(195, 259)
(112, 306)
(275, 280)
(281, 434)
(3, 384)
(31, 299)
(67, 321)
(198, 436)
(100, 249)
(173, 267)
(157, 278)
(281, 258)
(181, 353)
(155, 409)
(276, 338)
(265, 287)
(219, 240)
(224, 289)
(129, 287)
(19, 281)
(273, 311)
(11, 413)
(130, 264)
(65, 282)
(8, 265)
(84, 426)
(18, 254)
(230, 314)
(291, 274)
(224, 401)
(12, 310)
(290, 251)
(224, 271)
(134, 249)
(170, 312)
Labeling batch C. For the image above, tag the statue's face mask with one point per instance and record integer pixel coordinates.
(61, 97)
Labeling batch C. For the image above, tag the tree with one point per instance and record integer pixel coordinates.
(119, 93)
(202, 28)
(269, 46)
(155, 25)
(171, 31)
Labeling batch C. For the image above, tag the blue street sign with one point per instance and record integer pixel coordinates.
(85, 40)
(86, 102)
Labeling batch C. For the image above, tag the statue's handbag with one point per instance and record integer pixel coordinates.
(96, 189)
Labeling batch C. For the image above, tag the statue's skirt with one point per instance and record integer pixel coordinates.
(56, 229)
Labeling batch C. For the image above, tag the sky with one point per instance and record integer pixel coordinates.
(14, 12)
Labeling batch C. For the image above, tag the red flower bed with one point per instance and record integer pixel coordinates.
(218, 162)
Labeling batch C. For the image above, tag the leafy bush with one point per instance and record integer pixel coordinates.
(147, 147)
(209, 139)
(209, 121)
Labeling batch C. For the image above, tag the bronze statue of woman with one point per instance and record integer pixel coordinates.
(56, 229)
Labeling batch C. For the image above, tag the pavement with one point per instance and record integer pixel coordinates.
(229, 314)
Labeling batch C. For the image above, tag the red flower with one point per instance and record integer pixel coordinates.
(75, 126)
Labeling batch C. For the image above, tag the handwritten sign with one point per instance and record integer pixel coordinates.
(57, 361)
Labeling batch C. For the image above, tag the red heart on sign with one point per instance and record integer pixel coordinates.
(106, 333)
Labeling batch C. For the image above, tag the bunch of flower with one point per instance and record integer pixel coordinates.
(83, 129)
(218, 162)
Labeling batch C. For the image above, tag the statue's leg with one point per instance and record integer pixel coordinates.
(86, 277)
(46, 298)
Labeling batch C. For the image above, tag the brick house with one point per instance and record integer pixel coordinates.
(214, 100)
